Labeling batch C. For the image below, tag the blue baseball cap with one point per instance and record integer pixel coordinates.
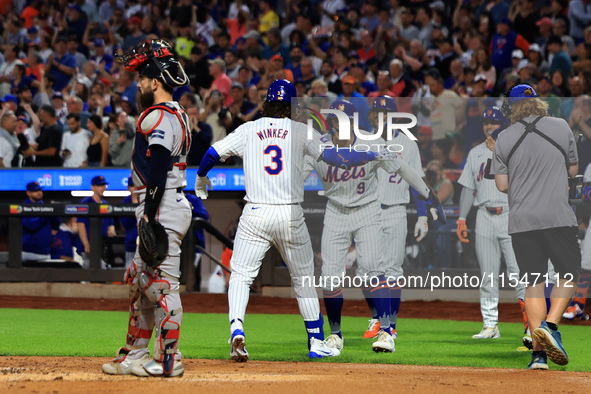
(33, 186)
(521, 92)
(99, 181)
(10, 97)
(99, 42)
(32, 30)
(384, 103)
(344, 105)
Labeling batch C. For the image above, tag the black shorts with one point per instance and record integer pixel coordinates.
(534, 248)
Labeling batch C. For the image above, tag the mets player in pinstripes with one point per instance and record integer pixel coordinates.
(394, 194)
(577, 305)
(492, 224)
(273, 149)
(353, 214)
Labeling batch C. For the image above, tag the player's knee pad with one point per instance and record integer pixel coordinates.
(156, 285)
(130, 278)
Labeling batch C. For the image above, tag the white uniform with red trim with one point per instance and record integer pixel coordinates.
(154, 298)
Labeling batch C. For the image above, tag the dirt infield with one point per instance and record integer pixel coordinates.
(82, 375)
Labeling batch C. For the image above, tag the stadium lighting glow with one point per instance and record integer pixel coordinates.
(108, 193)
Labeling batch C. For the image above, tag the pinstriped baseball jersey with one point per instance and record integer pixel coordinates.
(355, 187)
(473, 178)
(393, 190)
(167, 125)
(273, 151)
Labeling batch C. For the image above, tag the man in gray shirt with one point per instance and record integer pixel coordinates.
(532, 164)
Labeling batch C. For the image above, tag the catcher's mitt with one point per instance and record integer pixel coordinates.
(153, 245)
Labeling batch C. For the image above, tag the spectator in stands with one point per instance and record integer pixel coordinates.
(456, 69)
(524, 15)
(503, 44)
(10, 61)
(544, 91)
(98, 150)
(240, 108)
(198, 211)
(445, 57)
(576, 90)
(560, 59)
(402, 86)
(268, 19)
(121, 142)
(331, 79)
(130, 224)
(276, 47)
(61, 64)
(535, 57)
(232, 65)
(579, 15)
(66, 244)
(98, 186)
(425, 142)
(49, 142)
(37, 234)
(9, 141)
(440, 152)
(485, 67)
(384, 85)
(76, 106)
(197, 70)
(559, 28)
(75, 143)
(423, 19)
(221, 82)
(135, 36)
(201, 136)
(361, 104)
(215, 114)
(127, 86)
(407, 32)
(72, 48)
(446, 111)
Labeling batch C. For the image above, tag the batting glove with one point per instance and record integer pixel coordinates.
(385, 155)
(421, 228)
(201, 184)
(462, 231)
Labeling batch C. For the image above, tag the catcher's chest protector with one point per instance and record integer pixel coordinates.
(164, 124)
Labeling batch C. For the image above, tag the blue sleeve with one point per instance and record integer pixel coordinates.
(209, 160)
(420, 203)
(346, 159)
(159, 159)
(33, 224)
(199, 210)
(70, 61)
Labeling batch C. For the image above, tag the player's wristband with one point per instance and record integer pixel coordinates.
(420, 203)
(209, 160)
(346, 159)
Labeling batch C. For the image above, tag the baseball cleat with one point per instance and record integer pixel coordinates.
(154, 368)
(527, 341)
(123, 365)
(385, 343)
(552, 342)
(488, 332)
(538, 362)
(394, 333)
(573, 311)
(334, 341)
(238, 349)
(319, 349)
(373, 330)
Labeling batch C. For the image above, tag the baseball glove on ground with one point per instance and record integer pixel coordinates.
(153, 245)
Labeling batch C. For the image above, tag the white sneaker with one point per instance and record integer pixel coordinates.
(334, 341)
(319, 349)
(488, 332)
(154, 368)
(122, 365)
(573, 311)
(385, 343)
(238, 351)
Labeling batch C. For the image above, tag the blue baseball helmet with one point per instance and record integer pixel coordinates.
(495, 114)
(520, 92)
(281, 90)
(344, 105)
(385, 104)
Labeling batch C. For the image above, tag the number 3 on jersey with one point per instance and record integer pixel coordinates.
(277, 154)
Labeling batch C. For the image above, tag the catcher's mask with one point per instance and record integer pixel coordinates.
(154, 59)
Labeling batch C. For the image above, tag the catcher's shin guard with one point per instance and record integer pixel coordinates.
(162, 289)
(141, 313)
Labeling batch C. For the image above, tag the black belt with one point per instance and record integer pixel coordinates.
(495, 211)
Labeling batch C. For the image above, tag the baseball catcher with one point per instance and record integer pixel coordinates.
(162, 142)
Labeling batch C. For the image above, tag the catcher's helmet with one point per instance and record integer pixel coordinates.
(344, 105)
(384, 104)
(281, 90)
(154, 59)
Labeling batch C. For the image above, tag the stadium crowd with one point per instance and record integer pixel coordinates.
(67, 102)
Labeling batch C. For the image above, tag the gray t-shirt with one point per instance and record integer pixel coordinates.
(538, 179)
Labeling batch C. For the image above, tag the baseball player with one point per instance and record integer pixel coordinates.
(353, 213)
(492, 222)
(162, 141)
(273, 150)
(577, 305)
(393, 197)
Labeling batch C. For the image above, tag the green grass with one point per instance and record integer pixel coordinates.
(28, 332)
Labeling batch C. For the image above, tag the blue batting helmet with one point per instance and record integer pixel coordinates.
(344, 105)
(495, 114)
(281, 90)
(384, 103)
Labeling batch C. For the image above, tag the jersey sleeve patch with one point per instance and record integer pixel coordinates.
(324, 139)
(151, 121)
